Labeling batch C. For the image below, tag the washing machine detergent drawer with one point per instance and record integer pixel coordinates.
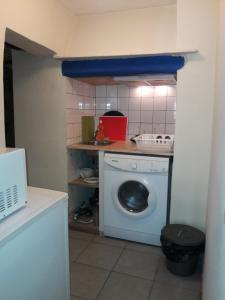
(143, 164)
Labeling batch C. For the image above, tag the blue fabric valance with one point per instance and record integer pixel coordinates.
(160, 64)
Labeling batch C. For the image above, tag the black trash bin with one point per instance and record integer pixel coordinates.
(182, 246)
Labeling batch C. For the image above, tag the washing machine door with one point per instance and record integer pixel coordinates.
(135, 197)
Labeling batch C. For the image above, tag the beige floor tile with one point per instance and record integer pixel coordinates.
(144, 248)
(172, 292)
(81, 235)
(125, 287)
(110, 241)
(87, 281)
(164, 277)
(99, 255)
(138, 264)
(76, 247)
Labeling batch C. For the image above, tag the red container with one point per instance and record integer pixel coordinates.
(115, 128)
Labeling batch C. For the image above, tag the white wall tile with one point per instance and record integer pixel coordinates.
(171, 117)
(75, 86)
(89, 112)
(92, 91)
(123, 91)
(134, 116)
(100, 103)
(100, 91)
(81, 102)
(75, 102)
(135, 92)
(123, 103)
(160, 103)
(159, 128)
(133, 128)
(161, 91)
(172, 91)
(68, 83)
(147, 103)
(170, 128)
(171, 103)
(159, 117)
(76, 116)
(81, 88)
(135, 103)
(69, 116)
(124, 112)
(69, 103)
(146, 128)
(146, 116)
(147, 91)
(69, 131)
(99, 112)
(69, 142)
(91, 102)
(111, 104)
(111, 91)
(87, 89)
(77, 130)
(87, 103)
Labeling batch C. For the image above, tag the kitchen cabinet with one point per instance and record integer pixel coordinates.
(34, 249)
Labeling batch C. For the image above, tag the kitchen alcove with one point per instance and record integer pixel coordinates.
(100, 74)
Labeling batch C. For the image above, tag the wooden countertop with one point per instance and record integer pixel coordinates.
(120, 147)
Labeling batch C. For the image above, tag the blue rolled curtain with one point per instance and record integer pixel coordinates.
(160, 64)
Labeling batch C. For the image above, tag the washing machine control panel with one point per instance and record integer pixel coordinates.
(141, 164)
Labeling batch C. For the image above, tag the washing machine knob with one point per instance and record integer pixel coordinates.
(133, 166)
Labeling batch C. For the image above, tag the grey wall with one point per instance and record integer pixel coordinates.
(39, 119)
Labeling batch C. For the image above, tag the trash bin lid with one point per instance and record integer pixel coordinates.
(183, 235)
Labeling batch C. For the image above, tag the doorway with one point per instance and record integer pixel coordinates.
(8, 96)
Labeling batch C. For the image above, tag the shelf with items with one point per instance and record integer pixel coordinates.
(92, 227)
(80, 181)
(83, 196)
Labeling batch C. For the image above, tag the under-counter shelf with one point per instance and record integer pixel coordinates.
(85, 227)
(81, 182)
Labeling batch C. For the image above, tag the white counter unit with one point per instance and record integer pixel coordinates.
(34, 249)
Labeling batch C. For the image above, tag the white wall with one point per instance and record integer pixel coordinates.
(47, 23)
(40, 119)
(196, 28)
(132, 32)
(214, 273)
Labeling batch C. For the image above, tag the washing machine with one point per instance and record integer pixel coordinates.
(135, 197)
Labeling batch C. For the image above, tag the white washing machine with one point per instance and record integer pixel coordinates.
(135, 197)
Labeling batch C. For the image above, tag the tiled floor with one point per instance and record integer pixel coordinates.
(110, 269)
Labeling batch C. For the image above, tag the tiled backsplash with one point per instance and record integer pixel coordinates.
(79, 101)
(149, 109)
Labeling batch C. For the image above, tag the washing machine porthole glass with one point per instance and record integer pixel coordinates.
(133, 196)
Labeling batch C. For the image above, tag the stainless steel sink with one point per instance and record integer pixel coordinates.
(96, 143)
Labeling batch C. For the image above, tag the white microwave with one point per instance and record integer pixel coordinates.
(13, 181)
